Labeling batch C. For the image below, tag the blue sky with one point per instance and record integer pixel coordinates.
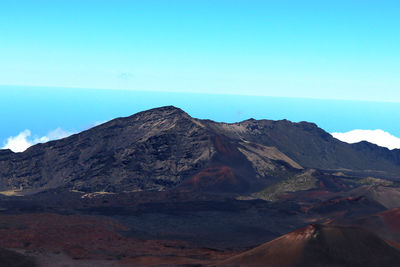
(49, 113)
(320, 49)
(217, 56)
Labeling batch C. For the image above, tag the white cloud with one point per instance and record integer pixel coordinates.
(20, 142)
(54, 135)
(24, 140)
(378, 137)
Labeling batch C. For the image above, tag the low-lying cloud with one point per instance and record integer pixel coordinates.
(378, 137)
(23, 140)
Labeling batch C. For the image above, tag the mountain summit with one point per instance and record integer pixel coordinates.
(164, 148)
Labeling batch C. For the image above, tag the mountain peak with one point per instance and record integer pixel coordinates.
(163, 109)
(156, 113)
(160, 148)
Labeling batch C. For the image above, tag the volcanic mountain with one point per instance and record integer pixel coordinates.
(163, 188)
(165, 148)
(319, 245)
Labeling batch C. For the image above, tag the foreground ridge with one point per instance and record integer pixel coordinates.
(321, 245)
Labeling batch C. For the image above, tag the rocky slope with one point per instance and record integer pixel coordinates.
(165, 148)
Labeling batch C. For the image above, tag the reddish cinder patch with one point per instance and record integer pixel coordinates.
(223, 146)
(351, 198)
(392, 219)
(76, 235)
(283, 251)
(305, 209)
(320, 245)
(216, 178)
(90, 237)
(337, 201)
(341, 200)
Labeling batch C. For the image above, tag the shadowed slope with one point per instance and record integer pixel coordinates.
(389, 197)
(153, 150)
(150, 150)
(385, 224)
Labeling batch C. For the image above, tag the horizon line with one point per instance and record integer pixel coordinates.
(199, 92)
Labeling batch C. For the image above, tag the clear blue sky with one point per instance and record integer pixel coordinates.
(321, 49)
(218, 57)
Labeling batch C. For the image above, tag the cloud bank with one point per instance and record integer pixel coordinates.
(378, 137)
(23, 140)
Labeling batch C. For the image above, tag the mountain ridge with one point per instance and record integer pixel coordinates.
(160, 148)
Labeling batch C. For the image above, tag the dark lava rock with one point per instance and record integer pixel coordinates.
(165, 148)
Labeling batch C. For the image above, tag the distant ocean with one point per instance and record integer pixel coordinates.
(44, 109)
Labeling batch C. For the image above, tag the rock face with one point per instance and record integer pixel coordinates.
(319, 245)
(151, 150)
(165, 148)
(312, 147)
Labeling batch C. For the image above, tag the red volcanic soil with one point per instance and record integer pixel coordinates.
(98, 238)
(320, 245)
(392, 219)
(216, 178)
(223, 146)
(344, 199)
(283, 251)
